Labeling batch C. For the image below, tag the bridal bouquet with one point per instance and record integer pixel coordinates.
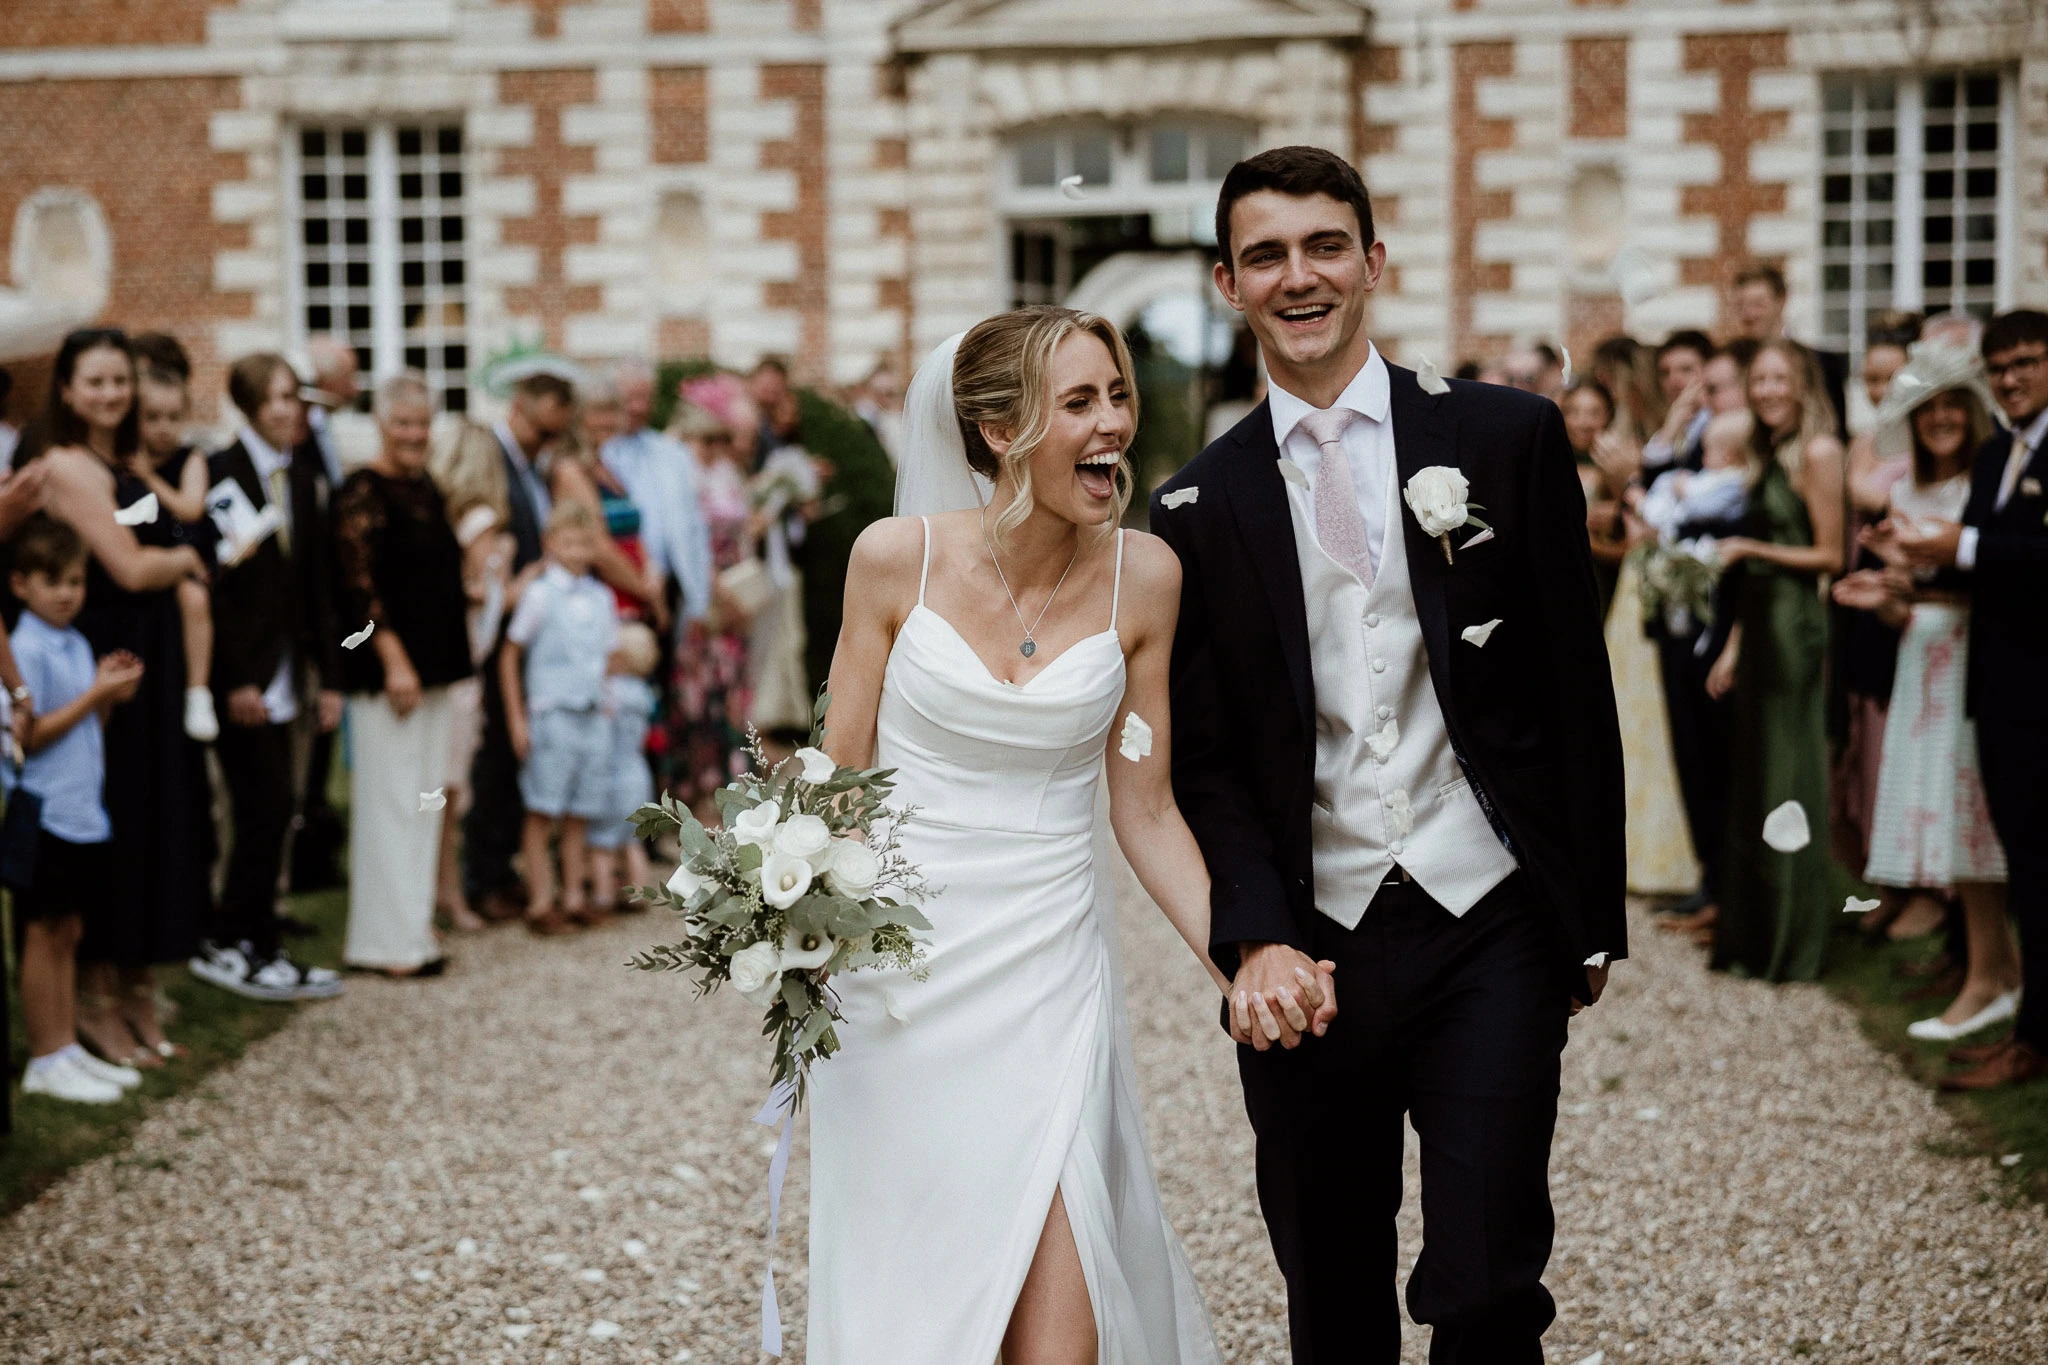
(804, 879)
(1678, 582)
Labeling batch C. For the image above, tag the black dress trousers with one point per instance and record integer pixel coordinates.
(256, 764)
(1459, 1024)
(2013, 753)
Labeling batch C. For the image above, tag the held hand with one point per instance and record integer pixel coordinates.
(330, 711)
(245, 707)
(1278, 996)
(1733, 550)
(1933, 547)
(1596, 982)
(401, 689)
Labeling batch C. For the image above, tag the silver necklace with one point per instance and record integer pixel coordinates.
(1030, 645)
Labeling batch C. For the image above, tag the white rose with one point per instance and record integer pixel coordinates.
(756, 972)
(818, 765)
(1437, 497)
(684, 883)
(803, 836)
(784, 880)
(757, 826)
(852, 869)
(806, 952)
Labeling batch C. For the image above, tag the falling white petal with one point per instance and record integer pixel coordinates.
(1427, 378)
(2010, 1159)
(1383, 743)
(1786, 830)
(351, 641)
(1071, 187)
(1634, 276)
(1597, 960)
(141, 512)
(466, 1247)
(437, 799)
(1477, 636)
(1181, 497)
(604, 1331)
(1479, 539)
(1136, 741)
(1294, 473)
(1400, 813)
(894, 1007)
(1853, 906)
(1565, 354)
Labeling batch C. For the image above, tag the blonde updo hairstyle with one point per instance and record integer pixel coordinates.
(1002, 377)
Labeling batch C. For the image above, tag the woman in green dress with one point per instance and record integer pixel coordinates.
(1775, 907)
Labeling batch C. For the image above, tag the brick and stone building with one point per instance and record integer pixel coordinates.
(848, 181)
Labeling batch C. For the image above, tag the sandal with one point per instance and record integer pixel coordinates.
(108, 1007)
(551, 924)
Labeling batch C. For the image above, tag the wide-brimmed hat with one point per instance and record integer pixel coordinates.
(1932, 368)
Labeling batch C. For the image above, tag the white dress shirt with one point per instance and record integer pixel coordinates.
(2029, 436)
(1368, 443)
(660, 476)
(280, 699)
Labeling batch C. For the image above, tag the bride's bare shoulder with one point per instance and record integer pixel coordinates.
(888, 549)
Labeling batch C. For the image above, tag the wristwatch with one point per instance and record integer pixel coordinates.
(20, 694)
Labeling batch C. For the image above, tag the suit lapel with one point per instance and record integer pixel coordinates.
(1258, 503)
(1425, 434)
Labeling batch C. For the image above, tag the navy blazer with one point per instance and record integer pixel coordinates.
(1531, 714)
(2008, 678)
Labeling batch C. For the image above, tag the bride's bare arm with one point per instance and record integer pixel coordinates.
(1148, 823)
(881, 588)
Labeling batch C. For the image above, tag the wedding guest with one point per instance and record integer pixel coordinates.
(2002, 548)
(1757, 301)
(486, 583)
(334, 387)
(1774, 912)
(629, 703)
(552, 670)
(1932, 827)
(1588, 425)
(154, 882)
(275, 633)
(659, 474)
(176, 473)
(66, 773)
(599, 422)
(705, 746)
(543, 407)
(879, 402)
(398, 572)
(1681, 378)
(1629, 370)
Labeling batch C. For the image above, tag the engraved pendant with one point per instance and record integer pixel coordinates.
(1028, 648)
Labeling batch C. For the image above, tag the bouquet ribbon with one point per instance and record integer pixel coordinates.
(775, 1114)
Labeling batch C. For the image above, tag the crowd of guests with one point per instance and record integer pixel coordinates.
(1852, 625)
(510, 634)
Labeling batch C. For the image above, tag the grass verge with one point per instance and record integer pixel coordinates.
(50, 1136)
(1997, 1123)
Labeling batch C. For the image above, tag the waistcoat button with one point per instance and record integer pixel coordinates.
(1372, 620)
(1379, 665)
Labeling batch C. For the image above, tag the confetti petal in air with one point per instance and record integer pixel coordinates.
(1786, 830)
(1479, 539)
(1071, 187)
(1597, 960)
(1294, 473)
(1477, 636)
(437, 799)
(1136, 740)
(1181, 497)
(1565, 354)
(1400, 812)
(1427, 378)
(1853, 906)
(1634, 276)
(141, 512)
(351, 641)
(2010, 1159)
(1383, 743)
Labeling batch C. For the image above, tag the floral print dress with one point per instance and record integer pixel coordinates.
(706, 731)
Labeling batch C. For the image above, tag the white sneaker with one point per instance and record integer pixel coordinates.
(64, 1079)
(200, 721)
(127, 1077)
(1998, 1011)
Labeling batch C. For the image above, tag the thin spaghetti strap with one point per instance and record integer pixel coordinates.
(1116, 592)
(925, 571)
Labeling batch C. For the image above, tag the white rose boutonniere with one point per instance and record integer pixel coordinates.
(756, 972)
(1436, 495)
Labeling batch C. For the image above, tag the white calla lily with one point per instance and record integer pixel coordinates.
(683, 883)
(818, 765)
(803, 952)
(757, 826)
(785, 879)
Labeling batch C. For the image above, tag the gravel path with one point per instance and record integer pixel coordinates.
(545, 1157)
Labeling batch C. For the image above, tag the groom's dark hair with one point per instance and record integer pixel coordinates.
(1299, 171)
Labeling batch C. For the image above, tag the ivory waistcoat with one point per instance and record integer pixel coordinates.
(1383, 797)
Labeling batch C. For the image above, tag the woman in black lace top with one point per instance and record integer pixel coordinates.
(399, 579)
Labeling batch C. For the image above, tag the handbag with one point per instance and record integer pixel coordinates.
(748, 586)
(21, 832)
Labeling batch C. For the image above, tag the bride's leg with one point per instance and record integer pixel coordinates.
(1053, 1323)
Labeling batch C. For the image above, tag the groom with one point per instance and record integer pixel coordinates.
(1397, 748)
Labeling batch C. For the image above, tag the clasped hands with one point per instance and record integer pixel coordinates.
(1280, 995)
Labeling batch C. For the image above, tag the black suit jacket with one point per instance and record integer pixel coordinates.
(2009, 589)
(271, 602)
(1531, 714)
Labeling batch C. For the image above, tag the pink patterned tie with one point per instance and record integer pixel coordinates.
(1340, 529)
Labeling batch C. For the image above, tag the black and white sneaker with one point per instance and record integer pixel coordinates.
(236, 968)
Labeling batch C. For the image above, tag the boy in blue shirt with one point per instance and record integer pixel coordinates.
(66, 768)
(552, 669)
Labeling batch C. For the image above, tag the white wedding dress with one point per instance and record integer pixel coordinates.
(958, 1104)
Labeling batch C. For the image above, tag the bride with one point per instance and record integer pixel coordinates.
(980, 1181)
